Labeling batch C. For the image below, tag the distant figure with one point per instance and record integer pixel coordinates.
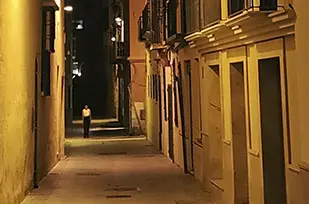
(86, 116)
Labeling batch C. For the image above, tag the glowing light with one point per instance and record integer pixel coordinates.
(79, 27)
(68, 8)
(113, 39)
(118, 19)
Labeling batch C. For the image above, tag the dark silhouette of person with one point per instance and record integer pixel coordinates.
(86, 116)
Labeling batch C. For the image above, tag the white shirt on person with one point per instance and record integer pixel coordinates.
(86, 112)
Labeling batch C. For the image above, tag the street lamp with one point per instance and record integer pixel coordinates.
(118, 19)
(68, 8)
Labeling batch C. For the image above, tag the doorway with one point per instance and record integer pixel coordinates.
(159, 92)
(170, 122)
(215, 124)
(272, 131)
(189, 132)
(240, 153)
(121, 101)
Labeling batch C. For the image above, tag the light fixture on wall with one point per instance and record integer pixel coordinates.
(113, 39)
(118, 19)
(68, 8)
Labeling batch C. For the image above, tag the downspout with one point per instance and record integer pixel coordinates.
(35, 171)
(183, 18)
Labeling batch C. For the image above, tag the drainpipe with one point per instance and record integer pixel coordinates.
(35, 172)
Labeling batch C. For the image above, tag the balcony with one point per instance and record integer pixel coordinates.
(144, 24)
(156, 21)
(237, 6)
(119, 51)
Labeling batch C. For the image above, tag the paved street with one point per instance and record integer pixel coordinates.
(116, 170)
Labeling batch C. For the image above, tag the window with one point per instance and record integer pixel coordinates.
(45, 73)
(164, 92)
(211, 12)
(235, 6)
(49, 29)
(156, 20)
(266, 5)
(48, 45)
(172, 17)
(192, 15)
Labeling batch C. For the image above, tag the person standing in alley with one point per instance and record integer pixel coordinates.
(86, 116)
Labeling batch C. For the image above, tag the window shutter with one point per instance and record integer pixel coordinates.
(45, 73)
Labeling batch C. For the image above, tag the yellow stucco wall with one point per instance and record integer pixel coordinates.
(152, 106)
(302, 33)
(268, 49)
(20, 44)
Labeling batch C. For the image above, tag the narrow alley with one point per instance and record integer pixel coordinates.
(116, 170)
(154, 101)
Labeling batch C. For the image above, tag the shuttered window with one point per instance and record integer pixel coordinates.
(48, 47)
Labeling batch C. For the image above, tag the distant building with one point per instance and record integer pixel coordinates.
(128, 62)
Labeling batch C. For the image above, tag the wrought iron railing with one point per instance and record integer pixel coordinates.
(144, 22)
(141, 30)
(156, 20)
(121, 51)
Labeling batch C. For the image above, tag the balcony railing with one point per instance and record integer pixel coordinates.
(141, 30)
(120, 51)
(156, 21)
(236, 6)
(144, 23)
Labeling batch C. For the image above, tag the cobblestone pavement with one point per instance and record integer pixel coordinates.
(114, 171)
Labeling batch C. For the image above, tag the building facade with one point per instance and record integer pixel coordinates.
(32, 94)
(128, 63)
(224, 97)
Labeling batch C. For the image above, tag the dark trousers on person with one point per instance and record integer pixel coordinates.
(86, 126)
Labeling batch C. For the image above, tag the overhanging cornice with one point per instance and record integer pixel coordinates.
(245, 28)
(50, 4)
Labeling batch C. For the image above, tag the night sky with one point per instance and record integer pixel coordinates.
(91, 87)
